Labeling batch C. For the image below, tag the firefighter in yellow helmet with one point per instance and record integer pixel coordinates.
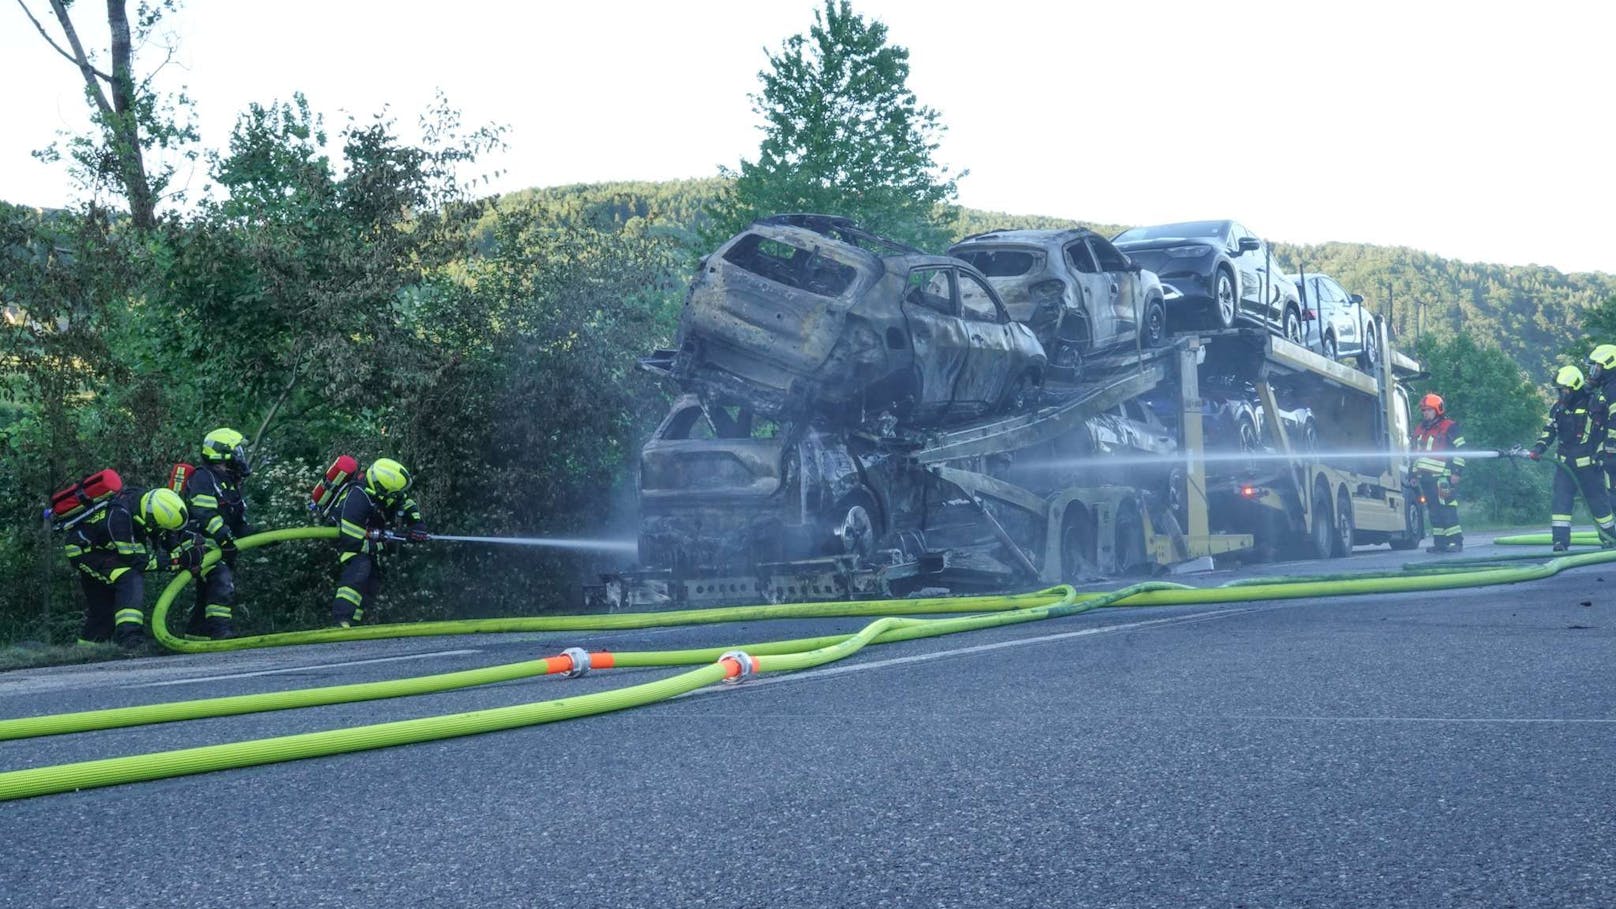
(219, 513)
(1438, 475)
(371, 503)
(113, 548)
(1577, 421)
(1602, 381)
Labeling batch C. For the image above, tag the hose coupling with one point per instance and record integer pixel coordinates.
(744, 662)
(580, 661)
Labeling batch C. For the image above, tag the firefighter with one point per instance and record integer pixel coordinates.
(113, 548)
(1577, 420)
(1602, 381)
(1439, 476)
(370, 504)
(219, 514)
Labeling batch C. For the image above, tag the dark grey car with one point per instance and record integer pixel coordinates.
(1336, 323)
(1224, 272)
(810, 314)
(1080, 294)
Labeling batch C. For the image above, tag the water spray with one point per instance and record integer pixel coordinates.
(621, 547)
(1246, 457)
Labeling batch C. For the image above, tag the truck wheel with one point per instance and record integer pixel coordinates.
(1077, 544)
(1321, 541)
(1414, 521)
(1345, 528)
(1130, 543)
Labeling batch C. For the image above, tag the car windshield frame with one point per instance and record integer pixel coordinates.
(1036, 258)
(1202, 231)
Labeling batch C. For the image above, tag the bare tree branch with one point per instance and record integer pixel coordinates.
(52, 41)
(92, 76)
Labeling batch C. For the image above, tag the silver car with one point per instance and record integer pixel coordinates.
(1081, 295)
(1335, 323)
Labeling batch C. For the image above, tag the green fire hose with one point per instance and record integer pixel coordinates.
(731, 664)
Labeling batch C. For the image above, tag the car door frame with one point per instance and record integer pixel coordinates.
(1124, 303)
(1246, 263)
(1094, 288)
(985, 375)
(938, 341)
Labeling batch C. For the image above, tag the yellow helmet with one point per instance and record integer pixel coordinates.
(164, 508)
(226, 446)
(1603, 357)
(387, 477)
(1569, 378)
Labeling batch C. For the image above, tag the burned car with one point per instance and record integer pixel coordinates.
(722, 488)
(810, 314)
(1081, 295)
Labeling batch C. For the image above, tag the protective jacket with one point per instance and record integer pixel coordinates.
(217, 508)
(1578, 421)
(115, 540)
(360, 512)
(1441, 434)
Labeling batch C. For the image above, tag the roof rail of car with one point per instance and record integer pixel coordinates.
(846, 230)
(1079, 230)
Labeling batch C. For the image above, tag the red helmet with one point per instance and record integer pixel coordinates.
(1433, 401)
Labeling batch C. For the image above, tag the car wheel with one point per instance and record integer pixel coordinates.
(1330, 349)
(1293, 325)
(1130, 543)
(1077, 544)
(855, 529)
(1321, 539)
(1022, 394)
(1369, 360)
(1345, 528)
(1225, 302)
(1153, 330)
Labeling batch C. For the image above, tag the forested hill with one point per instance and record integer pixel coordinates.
(1532, 313)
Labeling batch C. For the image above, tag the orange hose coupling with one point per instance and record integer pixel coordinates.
(738, 664)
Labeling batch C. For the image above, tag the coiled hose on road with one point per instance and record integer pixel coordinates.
(729, 664)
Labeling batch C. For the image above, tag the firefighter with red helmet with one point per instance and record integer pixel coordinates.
(1577, 421)
(1438, 474)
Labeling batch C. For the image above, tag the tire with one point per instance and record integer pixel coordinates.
(1130, 542)
(1369, 360)
(1330, 350)
(855, 526)
(1414, 520)
(1345, 528)
(1225, 299)
(1321, 536)
(1291, 324)
(1021, 395)
(1153, 329)
(1077, 544)
(1068, 361)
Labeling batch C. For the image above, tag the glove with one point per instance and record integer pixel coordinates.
(1535, 455)
(419, 535)
(228, 552)
(1453, 482)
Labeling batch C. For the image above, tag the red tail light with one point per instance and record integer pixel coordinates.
(1309, 315)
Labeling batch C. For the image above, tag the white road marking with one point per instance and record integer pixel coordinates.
(290, 669)
(979, 648)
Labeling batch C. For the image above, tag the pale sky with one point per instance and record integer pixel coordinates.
(1473, 130)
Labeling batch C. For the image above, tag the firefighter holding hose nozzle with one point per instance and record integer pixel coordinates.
(370, 504)
(1577, 420)
(1439, 476)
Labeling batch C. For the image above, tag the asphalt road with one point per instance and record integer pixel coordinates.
(1421, 750)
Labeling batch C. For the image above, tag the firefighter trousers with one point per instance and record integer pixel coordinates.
(356, 586)
(1442, 512)
(215, 601)
(1573, 476)
(114, 597)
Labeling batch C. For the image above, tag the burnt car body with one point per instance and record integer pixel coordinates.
(1080, 294)
(1223, 271)
(1336, 323)
(803, 314)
